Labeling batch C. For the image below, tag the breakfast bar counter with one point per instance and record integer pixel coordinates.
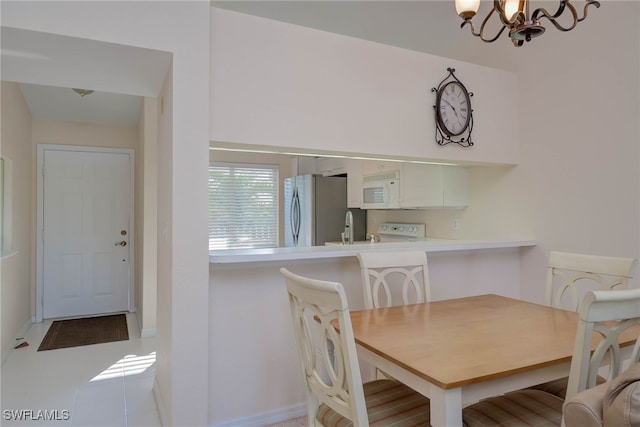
(339, 251)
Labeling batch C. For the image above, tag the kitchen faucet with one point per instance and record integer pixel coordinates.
(347, 234)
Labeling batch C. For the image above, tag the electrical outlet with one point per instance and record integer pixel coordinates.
(455, 224)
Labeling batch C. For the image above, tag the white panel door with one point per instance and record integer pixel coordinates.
(86, 233)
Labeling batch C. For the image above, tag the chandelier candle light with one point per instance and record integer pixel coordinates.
(515, 15)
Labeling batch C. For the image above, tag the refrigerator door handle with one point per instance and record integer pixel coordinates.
(295, 216)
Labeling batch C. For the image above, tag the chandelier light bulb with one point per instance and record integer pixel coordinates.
(512, 7)
(467, 8)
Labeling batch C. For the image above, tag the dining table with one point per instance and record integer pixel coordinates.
(459, 351)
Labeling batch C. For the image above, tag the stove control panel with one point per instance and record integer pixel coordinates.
(402, 231)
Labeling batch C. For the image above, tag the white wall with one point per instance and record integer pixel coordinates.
(182, 29)
(576, 187)
(15, 270)
(147, 217)
(278, 84)
(91, 135)
(577, 184)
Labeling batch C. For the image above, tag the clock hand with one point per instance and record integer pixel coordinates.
(452, 107)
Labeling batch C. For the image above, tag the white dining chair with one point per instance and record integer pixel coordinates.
(335, 393)
(569, 277)
(394, 277)
(606, 313)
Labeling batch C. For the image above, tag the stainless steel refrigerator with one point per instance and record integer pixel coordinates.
(315, 208)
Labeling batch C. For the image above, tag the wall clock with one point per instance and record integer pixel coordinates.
(453, 113)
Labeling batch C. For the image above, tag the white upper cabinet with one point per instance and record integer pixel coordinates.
(373, 167)
(302, 165)
(425, 186)
(331, 166)
(354, 182)
(433, 186)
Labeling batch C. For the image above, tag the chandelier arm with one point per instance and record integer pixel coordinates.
(484, 22)
(559, 12)
(473, 27)
(552, 18)
(496, 36)
(586, 6)
(497, 6)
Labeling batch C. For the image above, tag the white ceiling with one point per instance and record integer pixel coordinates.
(48, 65)
(424, 25)
(63, 104)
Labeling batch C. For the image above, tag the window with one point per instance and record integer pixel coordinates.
(243, 206)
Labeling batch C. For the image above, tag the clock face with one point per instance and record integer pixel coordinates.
(453, 108)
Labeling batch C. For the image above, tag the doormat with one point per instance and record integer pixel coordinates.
(86, 331)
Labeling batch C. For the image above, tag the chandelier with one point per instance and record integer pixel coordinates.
(514, 15)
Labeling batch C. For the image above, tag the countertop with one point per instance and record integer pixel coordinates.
(340, 251)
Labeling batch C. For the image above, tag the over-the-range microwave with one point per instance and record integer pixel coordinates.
(381, 191)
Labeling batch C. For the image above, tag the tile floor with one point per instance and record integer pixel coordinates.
(97, 385)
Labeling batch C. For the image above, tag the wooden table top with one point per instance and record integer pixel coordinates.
(463, 341)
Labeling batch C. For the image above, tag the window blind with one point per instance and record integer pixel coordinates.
(243, 206)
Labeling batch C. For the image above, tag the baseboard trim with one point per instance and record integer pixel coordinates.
(21, 333)
(270, 417)
(157, 396)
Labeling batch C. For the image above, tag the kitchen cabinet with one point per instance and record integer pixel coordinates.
(372, 167)
(331, 166)
(433, 186)
(354, 182)
(302, 165)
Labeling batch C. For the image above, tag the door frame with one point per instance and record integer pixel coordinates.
(39, 302)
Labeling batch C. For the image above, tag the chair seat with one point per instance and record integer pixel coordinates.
(518, 408)
(389, 403)
(559, 387)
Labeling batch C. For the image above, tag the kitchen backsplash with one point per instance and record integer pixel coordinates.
(440, 222)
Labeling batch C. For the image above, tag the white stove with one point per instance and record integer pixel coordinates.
(401, 232)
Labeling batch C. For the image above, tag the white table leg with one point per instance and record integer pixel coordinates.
(446, 407)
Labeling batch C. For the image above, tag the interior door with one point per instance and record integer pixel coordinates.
(86, 233)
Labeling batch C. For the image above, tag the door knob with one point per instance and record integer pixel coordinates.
(122, 243)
